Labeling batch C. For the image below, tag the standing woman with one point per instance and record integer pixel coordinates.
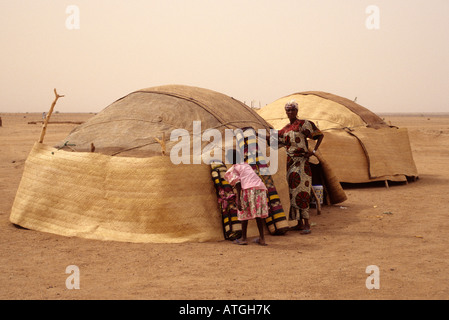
(299, 174)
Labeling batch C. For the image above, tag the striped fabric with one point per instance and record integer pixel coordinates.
(276, 221)
(232, 228)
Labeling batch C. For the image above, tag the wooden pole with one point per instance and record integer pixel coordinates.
(47, 118)
(162, 143)
(317, 200)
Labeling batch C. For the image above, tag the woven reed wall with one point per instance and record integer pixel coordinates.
(96, 196)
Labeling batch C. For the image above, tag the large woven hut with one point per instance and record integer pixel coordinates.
(359, 145)
(112, 177)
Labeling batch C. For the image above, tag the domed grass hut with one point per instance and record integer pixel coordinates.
(358, 144)
(112, 177)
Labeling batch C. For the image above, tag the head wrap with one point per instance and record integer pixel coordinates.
(292, 104)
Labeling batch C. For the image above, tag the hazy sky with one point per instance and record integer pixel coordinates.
(248, 49)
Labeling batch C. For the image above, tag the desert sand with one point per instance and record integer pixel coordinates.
(402, 229)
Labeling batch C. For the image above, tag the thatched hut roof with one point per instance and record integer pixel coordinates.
(129, 126)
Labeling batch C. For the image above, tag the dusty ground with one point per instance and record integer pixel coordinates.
(403, 230)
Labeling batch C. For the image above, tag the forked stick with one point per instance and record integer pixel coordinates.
(162, 143)
(47, 118)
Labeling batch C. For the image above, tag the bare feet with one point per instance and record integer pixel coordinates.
(260, 242)
(240, 242)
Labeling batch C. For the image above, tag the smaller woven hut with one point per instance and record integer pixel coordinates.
(357, 143)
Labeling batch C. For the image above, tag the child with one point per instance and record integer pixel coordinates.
(251, 197)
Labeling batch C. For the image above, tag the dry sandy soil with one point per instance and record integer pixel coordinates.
(402, 229)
